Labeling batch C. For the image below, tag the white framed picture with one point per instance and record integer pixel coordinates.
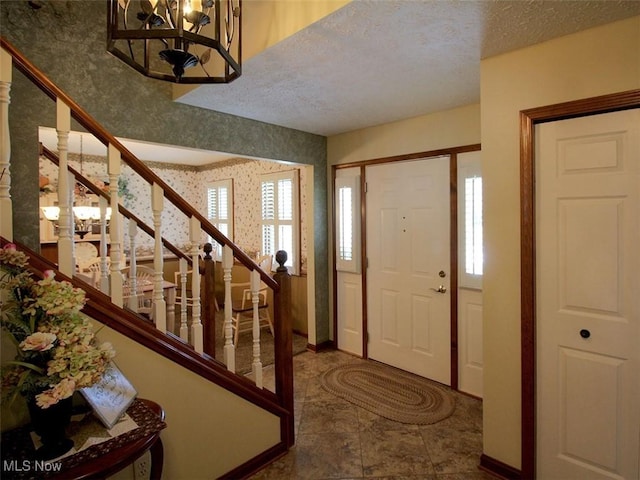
(111, 396)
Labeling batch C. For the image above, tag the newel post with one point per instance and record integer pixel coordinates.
(208, 301)
(283, 347)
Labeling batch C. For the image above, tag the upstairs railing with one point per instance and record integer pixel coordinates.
(165, 203)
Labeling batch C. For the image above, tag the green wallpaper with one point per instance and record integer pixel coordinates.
(67, 40)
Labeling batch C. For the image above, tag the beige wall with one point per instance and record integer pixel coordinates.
(209, 430)
(267, 22)
(451, 128)
(594, 62)
(196, 445)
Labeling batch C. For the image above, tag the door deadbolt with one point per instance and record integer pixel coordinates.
(441, 274)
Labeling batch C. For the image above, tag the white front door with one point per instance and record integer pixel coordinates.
(408, 250)
(588, 297)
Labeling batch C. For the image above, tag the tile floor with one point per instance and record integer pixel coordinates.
(338, 440)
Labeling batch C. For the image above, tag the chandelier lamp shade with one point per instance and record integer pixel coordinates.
(83, 216)
(180, 41)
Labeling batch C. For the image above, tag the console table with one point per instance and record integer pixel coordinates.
(96, 462)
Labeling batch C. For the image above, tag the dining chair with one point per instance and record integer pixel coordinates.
(188, 298)
(144, 274)
(265, 262)
(242, 309)
(242, 304)
(140, 303)
(86, 253)
(144, 296)
(92, 269)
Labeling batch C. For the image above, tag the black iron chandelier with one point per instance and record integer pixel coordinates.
(168, 39)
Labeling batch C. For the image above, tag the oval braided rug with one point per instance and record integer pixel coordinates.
(390, 392)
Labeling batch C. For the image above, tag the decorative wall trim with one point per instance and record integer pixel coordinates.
(327, 345)
(499, 469)
(256, 463)
(232, 162)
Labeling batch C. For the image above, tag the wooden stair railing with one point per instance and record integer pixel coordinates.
(208, 275)
(207, 301)
(100, 308)
(199, 226)
(107, 139)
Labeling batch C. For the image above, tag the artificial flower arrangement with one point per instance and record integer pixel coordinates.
(57, 352)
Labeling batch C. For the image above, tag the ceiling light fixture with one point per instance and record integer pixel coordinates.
(165, 39)
(84, 217)
(85, 214)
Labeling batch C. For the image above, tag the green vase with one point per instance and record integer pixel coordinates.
(51, 424)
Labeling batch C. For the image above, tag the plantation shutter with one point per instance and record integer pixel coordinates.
(280, 218)
(347, 224)
(268, 217)
(219, 210)
(212, 203)
(470, 252)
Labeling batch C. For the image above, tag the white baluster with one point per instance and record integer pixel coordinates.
(6, 208)
(104, 273)
(184, 328)
(66, 262)
(196, 322)
(133, 233)
(133, 266)
(115, 279)
(159, 305)
(229, 347)
(71, 200)
(256, 365)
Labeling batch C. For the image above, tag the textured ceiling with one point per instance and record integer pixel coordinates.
(377, 61)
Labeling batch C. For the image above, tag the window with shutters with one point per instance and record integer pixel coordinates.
(471, 257)
(220, 210)
(280, 216)
(347, 224)
(473, 225)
